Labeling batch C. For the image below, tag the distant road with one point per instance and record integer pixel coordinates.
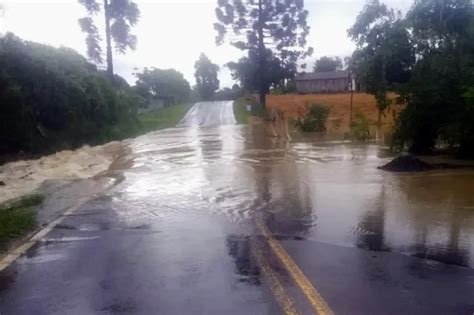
(209, 114)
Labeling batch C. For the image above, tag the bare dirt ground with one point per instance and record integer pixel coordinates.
(295, 106)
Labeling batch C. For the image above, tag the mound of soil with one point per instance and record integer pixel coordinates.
(407, 163)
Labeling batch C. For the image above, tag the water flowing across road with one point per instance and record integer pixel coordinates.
(173, 236)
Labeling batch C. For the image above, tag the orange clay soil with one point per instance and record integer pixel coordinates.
(295, 106)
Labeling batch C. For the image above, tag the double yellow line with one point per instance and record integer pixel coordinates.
(283, 299)
(313, 297)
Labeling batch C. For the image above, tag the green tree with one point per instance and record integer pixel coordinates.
(120, 16)
(206, 77)
(52, 98)
(277, 74)
(438, 102)
(264, 28)
(326, 64)
(384, 53)
(168, 85)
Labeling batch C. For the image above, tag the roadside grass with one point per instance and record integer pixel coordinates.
(18, 217)
(162, 118)
(241, 114)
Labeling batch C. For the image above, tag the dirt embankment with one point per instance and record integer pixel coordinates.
(295, 106)
(25, 176)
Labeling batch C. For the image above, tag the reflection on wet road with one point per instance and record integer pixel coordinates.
(175, 235)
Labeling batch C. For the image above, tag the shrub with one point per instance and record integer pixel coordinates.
(315, 120)
(360, 127)
(52, 99)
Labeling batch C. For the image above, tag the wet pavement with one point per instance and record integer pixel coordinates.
(175, 234)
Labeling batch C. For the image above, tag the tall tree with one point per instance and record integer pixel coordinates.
(384, 52)
(206, 77)
(436, 103)
(168, 85)
(246, 71)
(326, 64)
(120, 16)
(264, 28)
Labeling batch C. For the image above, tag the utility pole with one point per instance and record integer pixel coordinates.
(351, 78)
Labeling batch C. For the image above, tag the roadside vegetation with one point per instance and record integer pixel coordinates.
(242, 115)
(315, 119)
(162, 118)
(17, 218)
(427, 58)
(360, 127)
(54, 99)
(296, 107)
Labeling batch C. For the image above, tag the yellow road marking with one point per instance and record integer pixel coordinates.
(14, 254)
(314, 298)
(283, 299)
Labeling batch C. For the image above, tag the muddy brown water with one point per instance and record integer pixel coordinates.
(321, 189)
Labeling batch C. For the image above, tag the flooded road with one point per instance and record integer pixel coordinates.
(176, 234)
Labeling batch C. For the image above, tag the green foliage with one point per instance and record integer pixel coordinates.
(53, 99)
(161, 118)
(436, 86)
(437, 97)
(360, 127)
(240, 111)
(384, 53)
(18, 217)
(315, 120)
(277, 75)
(120, 17)
(206, 77)
(227, 94)
(168, 85)
(265, 29)
(438, 25)
(326, 64)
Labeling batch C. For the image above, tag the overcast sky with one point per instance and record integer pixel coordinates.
(172, 33)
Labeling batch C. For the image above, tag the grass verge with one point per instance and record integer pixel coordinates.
(240, 112)
(18, 217)
(162, 118)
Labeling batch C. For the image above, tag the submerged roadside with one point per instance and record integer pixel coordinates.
(30, 186)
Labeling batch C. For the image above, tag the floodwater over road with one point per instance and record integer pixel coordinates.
(327, 191)
(173, 235)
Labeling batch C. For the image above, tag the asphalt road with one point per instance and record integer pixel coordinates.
(177, 233)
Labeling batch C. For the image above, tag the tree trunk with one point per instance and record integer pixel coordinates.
(261, 58)
(108, 37)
